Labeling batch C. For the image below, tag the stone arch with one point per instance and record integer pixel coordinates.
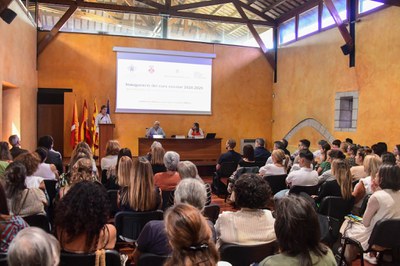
(311, 122)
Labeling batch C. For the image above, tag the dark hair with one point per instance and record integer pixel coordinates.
(336, 154)
(197, 126)
(389, 177)
(285, 143)
(306, 154)
(31, 161)
(305, 143)
(337, 142)
(322, 142)
(3, 201)
(102, 107)
(388, 158)
(5, 154)
(42, 152)
(379, 148)
(398, 147)
(297, 229)
(248, 152)
(361, 153)
(123, 152)
(251, 191)
(83, 210)
(349, 140)
(325, 146)
(46, 141)
(15, 175)
(279, 145)
(232, 143)
(353, 148)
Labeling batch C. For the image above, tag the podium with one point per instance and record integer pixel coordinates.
(106, 133)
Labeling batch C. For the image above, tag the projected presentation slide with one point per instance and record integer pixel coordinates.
(163, 83)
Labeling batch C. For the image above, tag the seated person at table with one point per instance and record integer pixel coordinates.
(155, 130)
(167, 181)
(253, 224)
(230, 156)
(195, 131)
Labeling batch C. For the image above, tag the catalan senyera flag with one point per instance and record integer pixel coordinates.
(85, 132)
(93, 129)
(74, 127)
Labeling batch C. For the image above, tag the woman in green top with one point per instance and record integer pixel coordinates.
(325, 163)
(298, 234)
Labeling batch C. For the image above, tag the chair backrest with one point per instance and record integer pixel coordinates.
(167, 199)
(211, 212)
(113, 196)
(146, 259)
(386, 233)
(241, 255)
(310, 190)
(104, 176)
(71, 259)
(364, 204)
(276, 182)
(3, 259)
(38, 220)
(246, 170)
(130, 224)
(335, 207)
(51, 188)
(227, 169)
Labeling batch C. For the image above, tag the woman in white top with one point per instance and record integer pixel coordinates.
(31, 162)
(102, 117)
(45, 170)
(252, 224)
(279, 164)
(195, 131)
(110, 160)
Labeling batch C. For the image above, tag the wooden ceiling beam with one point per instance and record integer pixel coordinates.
(310, 4)
(389, 2)
(150, 3)
(199, 4)
(339, 23)
(54, 31)
(257, 12)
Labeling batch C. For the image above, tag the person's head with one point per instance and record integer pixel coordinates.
(84, 210)
(279, 156)
(190, 237)
(372, 164)
(278, 145)
(33, 246)
(13, 140)
(285, 143)
(321, 143)
(251, 191)
(341, 171)
(230, 144)
(171, 160)
(306, 158)
(155, 144)
(304, 144)
(379, 148)
(389, 177)
(112, 147)
(187, 169)
(82, 170)
(82, 150)
(297, 229)
(352, 150)
(5, 154)
(368, 150)
(191, 191)
(15, 175)
(325, 147)
(156, 125)
(248, 152)
(3, 201)
(336, 144)
(349, 140)
(30, 160)
(260, 142)
(141, 196)
(124, 171)
(335, 154)
(196, 127)
(343, 147)
(157, 155)
(103, 110)
(388, 158)
(42, 153)
(123, 152)
(396, 150)
(360, 155)
(46, 141)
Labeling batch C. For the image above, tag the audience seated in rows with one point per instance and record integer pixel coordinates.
(396, 152)
(230, 156)
(261, 154)
(167, 181)
(81, 219)
(82, 150)
(140, 194)
(298, 234)
(247, 159)
(16, 146)
(279, 164)
(53, 157)
(5, 159)
(109, 161)
(45, 170)
(22, 201)
(33, 246)
(10, 225)
(31, 162)
(255, 224)
(351, 154)
(323, 163)
(357, 171)
(157, 160)
(327, 175)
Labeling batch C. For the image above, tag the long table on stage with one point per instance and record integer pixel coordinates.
(196, 150)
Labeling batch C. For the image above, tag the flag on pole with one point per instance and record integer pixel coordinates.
(108, 106)
(85, 132)
(95, 134)
(74, 127)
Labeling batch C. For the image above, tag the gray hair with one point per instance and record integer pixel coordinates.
(260, 141)
(33, 246)
(187, 169)
(13, 140)
(191, 191)
(155, 144)
(171, 160)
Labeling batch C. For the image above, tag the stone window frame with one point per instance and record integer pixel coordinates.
(354, 116)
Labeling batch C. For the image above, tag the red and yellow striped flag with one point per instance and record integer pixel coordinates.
(85, 132)
(74, 127)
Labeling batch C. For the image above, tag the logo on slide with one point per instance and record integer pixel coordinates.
(151, 69)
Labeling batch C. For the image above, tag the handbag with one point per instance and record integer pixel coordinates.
(329, 227)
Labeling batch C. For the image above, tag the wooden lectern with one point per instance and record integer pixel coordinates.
(106, 133)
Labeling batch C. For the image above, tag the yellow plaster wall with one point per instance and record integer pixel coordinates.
(312, 70)
(241, 97)
(18, 67)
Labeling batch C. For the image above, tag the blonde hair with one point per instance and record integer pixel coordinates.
(124, 171)
(280, 157)
(187, 169)
(112, 147)
(141, 195)
(157, 155)
(371, 164)
(82, 170)
(341, 171)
